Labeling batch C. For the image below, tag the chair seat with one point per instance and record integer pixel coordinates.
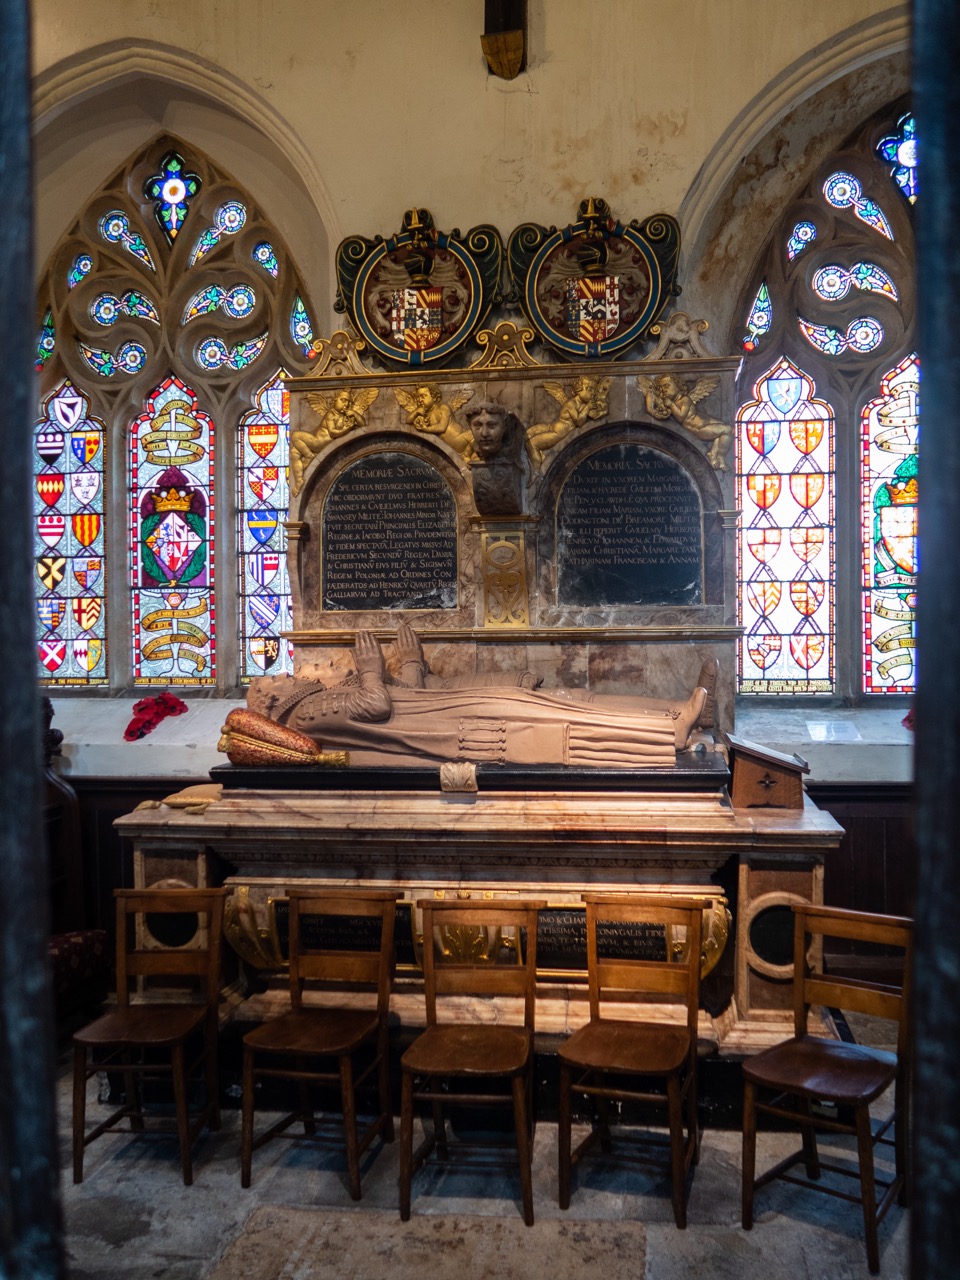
(314, 1031)
(810, 1067)
(630, 1047)
(148, 1026)
(466, 1051)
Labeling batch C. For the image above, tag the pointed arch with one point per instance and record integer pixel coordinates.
(168, 307)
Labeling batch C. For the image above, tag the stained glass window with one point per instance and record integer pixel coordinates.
(889, 498)
(69, 541)
(171, 191)
(803, 233)
(262, 501)
(165, 294)
(843, 191)
(828, 422)
(900, 151)
(172, 534)
(759, 319)
(786, 571)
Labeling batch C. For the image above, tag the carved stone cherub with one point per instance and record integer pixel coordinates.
(340, 413)
(427, 412)
(589, 400)
(668, 396)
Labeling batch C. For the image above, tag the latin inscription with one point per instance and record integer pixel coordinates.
(629, 531)
(562, 940)
(390, 537)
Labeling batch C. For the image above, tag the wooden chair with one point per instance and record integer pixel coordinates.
(614, 1059)
(149, 1040)
(482, 948)
(328, 943)
(809, 1072)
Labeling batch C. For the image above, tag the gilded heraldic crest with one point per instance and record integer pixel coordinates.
(593, 289)
(419, 296)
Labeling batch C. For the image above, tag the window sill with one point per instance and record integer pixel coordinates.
(863, 744)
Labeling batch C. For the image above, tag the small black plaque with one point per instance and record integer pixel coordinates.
(390, 537)
(629, 531)
(346, 933)
(562, 940)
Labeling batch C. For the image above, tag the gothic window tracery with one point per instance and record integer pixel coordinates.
(829, 339)
(168, 315)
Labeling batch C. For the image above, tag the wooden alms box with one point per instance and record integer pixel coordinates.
(764, 778)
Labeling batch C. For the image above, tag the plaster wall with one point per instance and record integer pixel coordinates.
(337, 117)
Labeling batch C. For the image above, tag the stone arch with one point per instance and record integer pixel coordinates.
(771, 150)
(91, 113)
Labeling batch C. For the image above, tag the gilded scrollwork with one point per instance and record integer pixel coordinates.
(340, 412)
(669, 396)
(586, 400)
(255, 944)
(427, 412)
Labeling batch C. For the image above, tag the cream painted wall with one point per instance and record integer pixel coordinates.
(339, 116)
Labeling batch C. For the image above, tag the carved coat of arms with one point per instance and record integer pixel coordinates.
(593, 289)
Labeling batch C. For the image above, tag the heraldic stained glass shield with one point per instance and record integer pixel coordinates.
(172, 539)
(69, 541)
(889, 428)
(786, 550)
(171, 293)
(262, 501)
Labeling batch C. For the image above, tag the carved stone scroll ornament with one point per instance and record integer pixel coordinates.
(340, 412)
(257, 945)
(669, 396)
(505, 347)
(678, 338)
(587, 399)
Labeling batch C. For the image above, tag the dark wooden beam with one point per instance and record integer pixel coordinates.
(935, 1243)
(31, 1234)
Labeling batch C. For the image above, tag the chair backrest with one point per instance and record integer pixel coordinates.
(334, 938)
(484, 947)
(141, 953)
(646, 947)
(811, 987)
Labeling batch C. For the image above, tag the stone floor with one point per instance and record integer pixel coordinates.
(132, 1218)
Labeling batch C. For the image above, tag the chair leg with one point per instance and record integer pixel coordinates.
(563, 1136)
(246, 1127)
(811, 1157)
(406, 1144)
(519, 1085)
(79, 1108)
(749, 1160)
(349, 1104)
(901, 1136)
(386, 1100)
(212, 1070)
(306, 1109)
(693, 1119)
(677, 1162)
(603, 1113)
(868, 1189)
(183, 1120)
(439, 1123)
(132, 1094)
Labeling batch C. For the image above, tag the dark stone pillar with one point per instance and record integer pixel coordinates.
(935, 1243)
(31, 1242)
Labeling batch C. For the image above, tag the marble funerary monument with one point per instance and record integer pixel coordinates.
(511, 488)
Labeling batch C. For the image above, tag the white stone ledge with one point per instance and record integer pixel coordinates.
(869, 743)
